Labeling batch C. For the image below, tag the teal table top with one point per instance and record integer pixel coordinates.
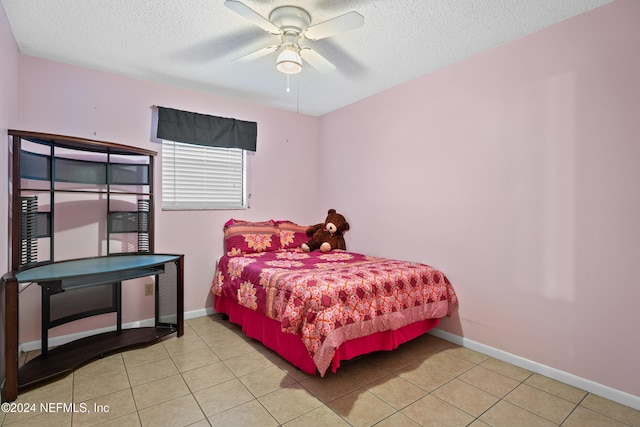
(92, 266)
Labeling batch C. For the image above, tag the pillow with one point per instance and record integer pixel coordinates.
(245, 237)
(292, 235)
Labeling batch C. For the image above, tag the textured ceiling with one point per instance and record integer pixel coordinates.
(191, 43)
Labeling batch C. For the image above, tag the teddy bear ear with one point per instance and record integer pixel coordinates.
(331, 211)
(346, 226)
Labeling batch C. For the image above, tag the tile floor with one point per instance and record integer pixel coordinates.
(214, 376)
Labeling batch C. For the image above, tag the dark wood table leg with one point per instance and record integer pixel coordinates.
(10, 337)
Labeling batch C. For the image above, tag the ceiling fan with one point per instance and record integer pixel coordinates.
(292, 24)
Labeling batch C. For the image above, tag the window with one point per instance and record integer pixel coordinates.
(201, 177)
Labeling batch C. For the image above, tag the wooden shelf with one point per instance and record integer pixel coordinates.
(65, 358)
(86, 191)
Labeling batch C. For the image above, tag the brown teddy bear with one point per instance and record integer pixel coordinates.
(328, 235)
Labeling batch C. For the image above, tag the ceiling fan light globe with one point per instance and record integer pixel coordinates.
(289, 62)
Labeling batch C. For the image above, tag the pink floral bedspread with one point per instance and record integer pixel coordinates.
(329, 298)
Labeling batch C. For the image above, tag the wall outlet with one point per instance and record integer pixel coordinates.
(148, 289)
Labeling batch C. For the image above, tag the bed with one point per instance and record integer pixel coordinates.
(318, 309)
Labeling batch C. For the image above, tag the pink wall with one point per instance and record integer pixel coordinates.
(68, 100)
(516, 172)
(8, 118)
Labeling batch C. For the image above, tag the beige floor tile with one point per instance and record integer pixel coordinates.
(424, 376)
(201, 423)
(504, 368)
(181, 381)
(217, 336)
(182, 411)
(248, 414)
(583, 417)
(428, 343)
(207, 376)
(194, 359)
(329, 387)
(466, 354)
(432, 411)
(466, 397)
(187, 332)
(184, 344)
(556, 388)
(144, 355)
(490, 381)
(247, 363)
(289, 402)
(229, 349)
(89, 387)
(449, 363)
(277, 360)
(129, 420)
(504, 414)
(209, 325)
(159, 391)
(361, 408)
(147, 372)
(216, 317)
(322, 416)
(105, 365)
(396, 391)
(612, 409)
(478, 423)
(397, 420)
(223, 396)
(396, 359)
(266, 381)
(541, 403)
(363, 371)
(106, 408)
(60, 390)
(62, 419)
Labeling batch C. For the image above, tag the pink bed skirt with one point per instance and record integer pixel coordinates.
(291, 348)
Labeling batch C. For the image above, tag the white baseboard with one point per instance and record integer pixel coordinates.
(64, 339)
(198, 313)
(587, 385)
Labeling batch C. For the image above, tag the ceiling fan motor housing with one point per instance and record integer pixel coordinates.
(290, 19)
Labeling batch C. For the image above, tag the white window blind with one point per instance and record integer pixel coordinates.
(200, 177)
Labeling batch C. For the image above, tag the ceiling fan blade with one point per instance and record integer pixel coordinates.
(257, 54)
(252, 16)
(339, 24)
(316, 60)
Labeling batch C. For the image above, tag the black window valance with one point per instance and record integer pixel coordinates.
(202, 129)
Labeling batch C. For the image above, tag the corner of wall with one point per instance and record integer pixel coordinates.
(9, 100)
